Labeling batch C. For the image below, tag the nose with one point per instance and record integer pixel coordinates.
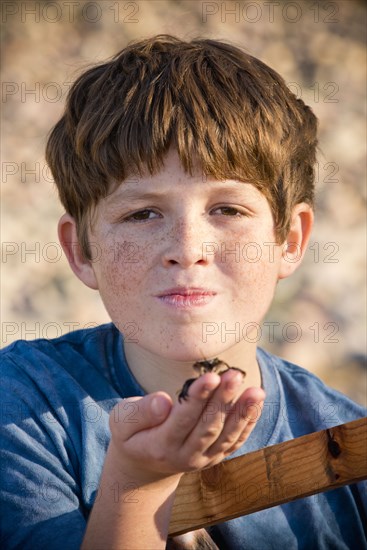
(186, 244)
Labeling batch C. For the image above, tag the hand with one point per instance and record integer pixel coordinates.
(152, 438)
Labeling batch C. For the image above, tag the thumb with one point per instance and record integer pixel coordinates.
(135, 414)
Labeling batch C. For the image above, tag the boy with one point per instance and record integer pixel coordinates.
(83, 467)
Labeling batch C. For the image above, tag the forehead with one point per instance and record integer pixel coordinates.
(172, 179)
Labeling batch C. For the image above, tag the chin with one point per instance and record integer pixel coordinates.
(190, 353)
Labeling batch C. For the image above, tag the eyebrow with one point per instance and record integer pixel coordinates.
(135, 195)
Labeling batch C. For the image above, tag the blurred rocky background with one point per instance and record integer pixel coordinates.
(318, 317)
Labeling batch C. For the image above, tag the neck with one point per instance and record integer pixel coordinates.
(155, 373)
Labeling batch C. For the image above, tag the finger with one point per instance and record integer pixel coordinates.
(246, 410)
(247, 431)
(185, 415)
(207, 431)
(239, 422)
(135, 414)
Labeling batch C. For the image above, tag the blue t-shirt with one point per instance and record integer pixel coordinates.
(55, 404)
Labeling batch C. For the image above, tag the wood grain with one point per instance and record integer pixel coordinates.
(307, 465)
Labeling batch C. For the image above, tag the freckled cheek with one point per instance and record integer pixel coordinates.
(120, 287)
(255, 278)
(248, 256)
(125, 270)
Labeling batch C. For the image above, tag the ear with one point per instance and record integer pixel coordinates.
(295, 245)
(81, 266)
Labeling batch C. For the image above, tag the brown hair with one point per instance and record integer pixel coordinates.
(210, 100)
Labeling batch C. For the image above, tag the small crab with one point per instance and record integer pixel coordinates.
(201, 367)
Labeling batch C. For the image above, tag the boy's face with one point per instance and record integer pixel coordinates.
(185, 267)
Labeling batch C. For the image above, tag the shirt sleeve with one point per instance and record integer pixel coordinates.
(40, 494)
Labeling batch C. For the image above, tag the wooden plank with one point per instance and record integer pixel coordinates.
(307, 465)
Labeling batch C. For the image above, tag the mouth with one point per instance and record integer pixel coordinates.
(186, 298)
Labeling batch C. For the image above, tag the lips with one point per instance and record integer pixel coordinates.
(185, 291)
(186, 298)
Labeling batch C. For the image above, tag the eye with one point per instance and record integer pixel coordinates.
(229, 211)
(141, 215)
